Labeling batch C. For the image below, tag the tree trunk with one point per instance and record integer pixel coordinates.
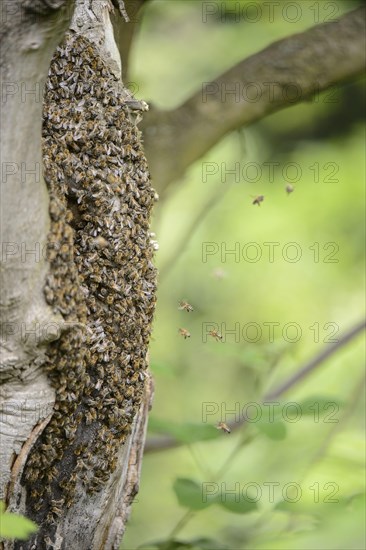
(77, 280)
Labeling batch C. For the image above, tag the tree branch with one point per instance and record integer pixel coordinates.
(315, 362)
(285, 73)
(124, 31)
(168, 442)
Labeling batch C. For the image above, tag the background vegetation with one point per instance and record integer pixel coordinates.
(176, 52)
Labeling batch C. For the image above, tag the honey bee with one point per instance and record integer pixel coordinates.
(216, 335)
(219, 273)
(224, 427)
(90, 416)
(289, 188)
(185, 305)
(258, 200)
(184, 332)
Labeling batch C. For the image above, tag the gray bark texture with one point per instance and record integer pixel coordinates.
(77, 279)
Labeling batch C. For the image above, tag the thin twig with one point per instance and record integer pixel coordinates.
(178, 527)
(195, 223)
(356, 395)
(315, 362)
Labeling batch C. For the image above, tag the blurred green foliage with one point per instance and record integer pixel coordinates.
(322, 292)
(15, 526)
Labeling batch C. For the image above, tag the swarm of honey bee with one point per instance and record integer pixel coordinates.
(101, 280)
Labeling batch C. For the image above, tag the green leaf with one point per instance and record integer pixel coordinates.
(357, 502)
(14, 526)
(163, 544)
(275, 429)
(320, 405)
(194, 544)
(186, 433)
(284, 506)
(190, 494)
(207, 544)
(237, 503)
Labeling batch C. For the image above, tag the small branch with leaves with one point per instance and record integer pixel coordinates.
(158, 443)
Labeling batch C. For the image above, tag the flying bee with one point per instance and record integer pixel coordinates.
(216, 335)
(185, 305)
(219, 273)
(258, 199)
(184, 332)
(289, 188)
(224, 427)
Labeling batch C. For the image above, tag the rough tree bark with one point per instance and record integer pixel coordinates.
(77, 281)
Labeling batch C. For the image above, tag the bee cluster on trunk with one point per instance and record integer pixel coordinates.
(101, 281)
